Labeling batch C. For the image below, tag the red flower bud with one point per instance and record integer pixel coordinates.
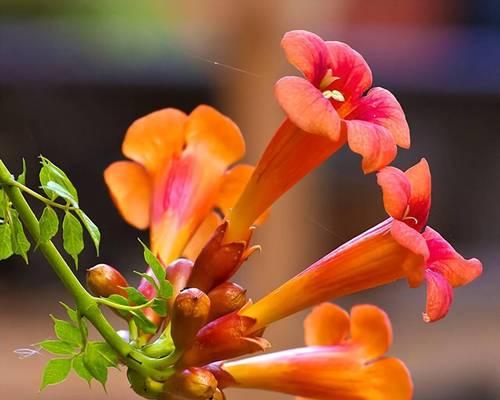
(189, 314)
(226, 298)
(178, 273)
(218, 261)
(192, 383)
(104, 280)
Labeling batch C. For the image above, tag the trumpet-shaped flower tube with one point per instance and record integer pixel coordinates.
(178, 175)
(325, 109)
(345, 360)
(390, 251)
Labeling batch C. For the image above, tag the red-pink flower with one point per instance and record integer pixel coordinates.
(324, 110)
(335, 80)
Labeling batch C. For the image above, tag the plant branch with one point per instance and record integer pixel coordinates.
(85, 302)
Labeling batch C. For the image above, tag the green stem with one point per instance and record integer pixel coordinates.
(112, 304)
(40, 197)
(85, 302)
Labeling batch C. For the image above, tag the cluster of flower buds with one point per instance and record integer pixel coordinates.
(201, 211)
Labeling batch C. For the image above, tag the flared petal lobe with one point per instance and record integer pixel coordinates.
(130, 187)
(439, 296)
(407, 195)
(326, 325)
(307, 108)
(445, 260)
(308, 53)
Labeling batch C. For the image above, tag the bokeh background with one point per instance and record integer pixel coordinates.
(74, 75)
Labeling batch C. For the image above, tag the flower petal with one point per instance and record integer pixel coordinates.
(153, 139)
(420, 200)
(219, 135)
(396, 191)
(380, 107)
(322, 372)
(202, 236)
(373, 142)
(326, 325)
(307, 108)
(350, 66)
(308, 53)
(444, 259)
(130, 187)
(439, 296)
(234, 182)
(415, 242)
(371, 329)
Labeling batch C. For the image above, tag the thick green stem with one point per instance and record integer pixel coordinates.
(85, 302)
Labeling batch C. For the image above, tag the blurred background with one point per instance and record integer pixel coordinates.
(75, 74)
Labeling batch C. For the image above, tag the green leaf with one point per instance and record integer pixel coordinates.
(149, 278)
(3, 203)
(67, 332)
(22, 177)
(72, 236)
(72, 314)
(56, 371)
(107, 353)
(5, 242)
(118, 299)
(96, 364)
(166, 290)
(160, 307)
(51, 173)
(154, 263)
(59, 191)
(134, 296)
(20, 243)
(49, 224)
(143, 323)
(57, 347)
(80, 368)
(92, 229)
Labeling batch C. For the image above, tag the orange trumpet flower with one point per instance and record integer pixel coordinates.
(324, 110)
(392, 250)
(345, 360)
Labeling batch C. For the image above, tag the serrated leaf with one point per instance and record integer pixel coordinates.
(107, 353)
(81, 369)
(72, 236)
(166, 290)
(154, 263)
(67, 332)
(91, 228)
(134, 296)
(56, 371)
(57, 347)
(59, 191)
(5, 242)
(160, 307)
(96, 364)
(49, 224)
(20, 243)
(72, 314)
(149, 278)
(118, 299)
(22, 177)
(143, 323)
(50, 172)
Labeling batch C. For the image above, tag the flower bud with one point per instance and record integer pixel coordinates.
(178, 273)
(226, 298)
(189, 314)
(192, 383)
(104, 280)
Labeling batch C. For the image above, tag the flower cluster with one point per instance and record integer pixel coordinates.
(201, 210)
